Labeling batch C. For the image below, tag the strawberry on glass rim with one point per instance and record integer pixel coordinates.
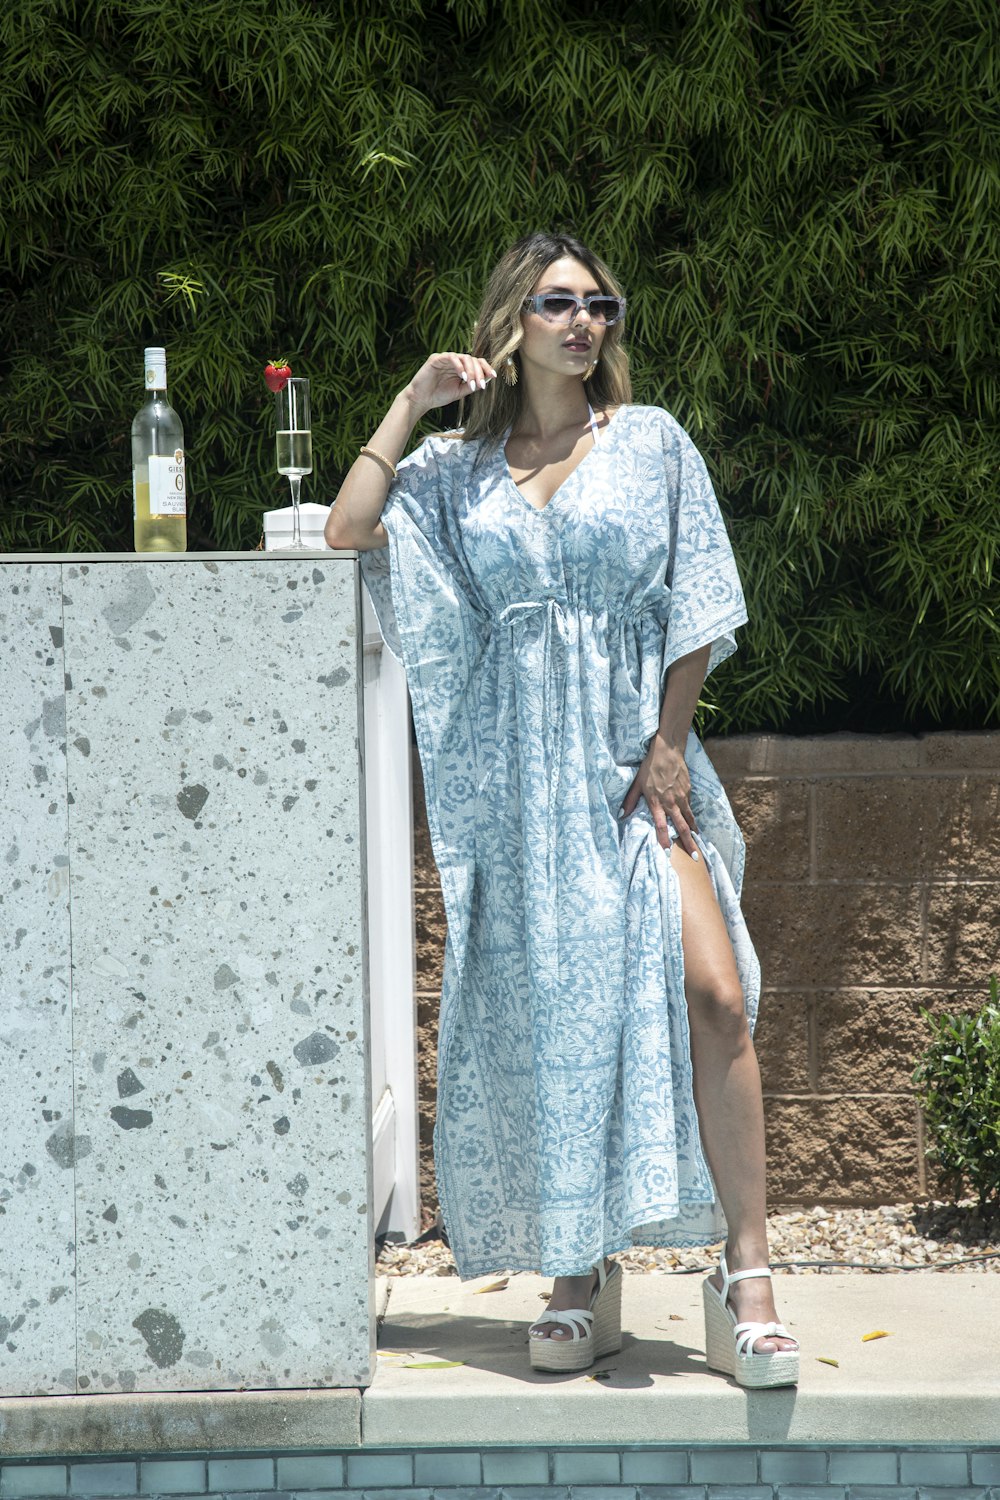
(277, 373)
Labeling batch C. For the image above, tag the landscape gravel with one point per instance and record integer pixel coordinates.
(947, 1238)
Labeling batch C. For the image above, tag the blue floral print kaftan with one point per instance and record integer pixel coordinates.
(535, 644)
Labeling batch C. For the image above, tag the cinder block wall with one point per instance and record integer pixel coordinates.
(872, 889)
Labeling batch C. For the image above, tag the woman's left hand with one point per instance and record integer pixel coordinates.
(664, 782)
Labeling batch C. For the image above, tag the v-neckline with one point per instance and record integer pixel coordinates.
(597, 443)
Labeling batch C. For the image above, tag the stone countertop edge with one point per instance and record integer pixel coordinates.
(313, 555)
(179, 1422)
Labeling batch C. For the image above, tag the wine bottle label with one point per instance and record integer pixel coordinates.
(167, 495)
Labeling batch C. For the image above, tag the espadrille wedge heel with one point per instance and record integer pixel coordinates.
(729, 1345)
(596, 1330)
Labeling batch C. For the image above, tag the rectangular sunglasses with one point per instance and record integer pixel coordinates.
(561, 307)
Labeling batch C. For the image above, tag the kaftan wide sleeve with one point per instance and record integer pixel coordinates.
(706, 598)
(421, 555)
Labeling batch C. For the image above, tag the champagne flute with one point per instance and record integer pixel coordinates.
(293, 442)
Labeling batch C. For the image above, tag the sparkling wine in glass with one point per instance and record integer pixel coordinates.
(293, 442)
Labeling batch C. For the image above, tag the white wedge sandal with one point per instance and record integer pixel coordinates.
(729, 1345)
(596, 1330)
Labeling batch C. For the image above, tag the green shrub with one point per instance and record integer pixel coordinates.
(802, 200)
(959, 1081)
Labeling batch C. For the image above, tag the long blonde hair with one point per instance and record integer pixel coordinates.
(497, 332)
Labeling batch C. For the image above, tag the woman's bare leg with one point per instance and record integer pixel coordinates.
(728, 1099)
(727, 1090)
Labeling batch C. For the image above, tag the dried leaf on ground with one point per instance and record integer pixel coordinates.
(493, 1286)
(821, 1359)
(877, 1333)
(434, 1364)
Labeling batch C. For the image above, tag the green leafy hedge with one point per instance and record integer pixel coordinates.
(958, 1081)
(803, 201)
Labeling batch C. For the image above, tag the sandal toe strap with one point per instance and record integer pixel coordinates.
(577, 1319)
(747, 1335)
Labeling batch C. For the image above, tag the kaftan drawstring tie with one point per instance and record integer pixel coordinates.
(555, 672)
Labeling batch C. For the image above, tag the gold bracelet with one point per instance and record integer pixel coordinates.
(374, 453)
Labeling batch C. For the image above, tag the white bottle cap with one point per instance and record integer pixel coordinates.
(155, 362)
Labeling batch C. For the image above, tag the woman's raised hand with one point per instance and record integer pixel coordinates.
(446, 377)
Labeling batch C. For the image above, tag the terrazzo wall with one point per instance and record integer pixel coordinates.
(184, 1162)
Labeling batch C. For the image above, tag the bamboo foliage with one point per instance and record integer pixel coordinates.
(801, 198)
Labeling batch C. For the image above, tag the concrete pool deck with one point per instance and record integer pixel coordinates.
(934, 1380)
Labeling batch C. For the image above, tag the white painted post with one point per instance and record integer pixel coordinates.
(390, 926)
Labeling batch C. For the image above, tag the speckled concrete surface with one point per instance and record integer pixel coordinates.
(38, 1150)
(215, 877)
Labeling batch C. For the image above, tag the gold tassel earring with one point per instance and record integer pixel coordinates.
(591, 370)
(509, 370)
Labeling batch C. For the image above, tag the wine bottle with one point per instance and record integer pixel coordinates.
(158, 481)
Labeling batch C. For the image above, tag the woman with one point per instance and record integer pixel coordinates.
(557, 581)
